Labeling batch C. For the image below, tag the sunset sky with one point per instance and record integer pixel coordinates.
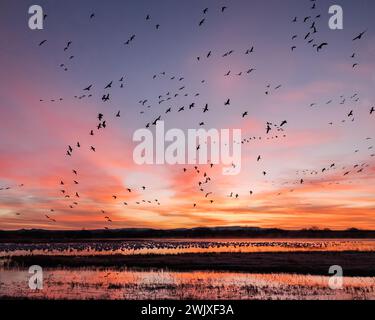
(35, 135)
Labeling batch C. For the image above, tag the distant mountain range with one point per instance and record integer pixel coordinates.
(202, 232)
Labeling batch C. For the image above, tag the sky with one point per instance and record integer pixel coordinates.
(319, 167)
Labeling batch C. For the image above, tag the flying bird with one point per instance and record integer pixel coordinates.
(156, 120)
(109, 85)
(359, 37)
(283, 123)
(248, 51)
(320, 47)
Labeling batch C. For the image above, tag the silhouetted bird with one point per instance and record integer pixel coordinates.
(248, 51)
(320, 47)
(109, 85)
(359, 37)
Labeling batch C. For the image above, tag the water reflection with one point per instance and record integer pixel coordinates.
(94, 283)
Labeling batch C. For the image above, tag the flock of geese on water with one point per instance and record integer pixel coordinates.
(129, 246)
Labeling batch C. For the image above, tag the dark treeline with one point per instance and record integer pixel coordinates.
(218, 232)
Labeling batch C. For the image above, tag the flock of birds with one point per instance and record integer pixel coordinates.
(204, 174)
(158, 246)
(311, 35)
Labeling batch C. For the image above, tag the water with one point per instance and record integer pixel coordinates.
(136, 283)
(94, 283)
